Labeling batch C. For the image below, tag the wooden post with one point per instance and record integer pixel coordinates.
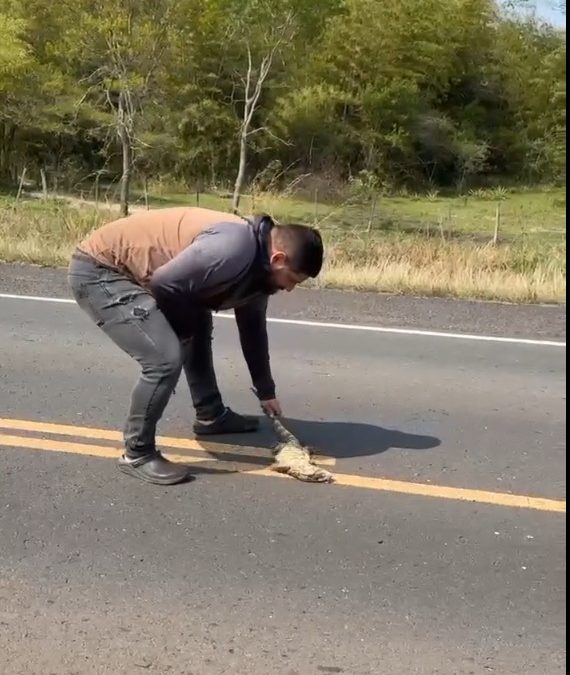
(372, 213)
(441, 230)
(316, 206)
(44, 183)
(497, 224)
(197, 195)
(97, 189)
(21, 185)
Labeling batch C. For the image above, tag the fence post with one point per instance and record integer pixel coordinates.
(44, 183)
(497, 224)
(97, 175)
(21, 185)
(316, 206)
(372, 213)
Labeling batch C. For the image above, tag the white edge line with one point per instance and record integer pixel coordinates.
(37, 298)
(344, 326)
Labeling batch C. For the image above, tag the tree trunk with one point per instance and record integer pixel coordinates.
(126, 176)
(3, 151)
(145, 179)
(7, 136)
(241, 170)
(127, 157)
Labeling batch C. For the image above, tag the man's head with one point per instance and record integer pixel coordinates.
(295, 254)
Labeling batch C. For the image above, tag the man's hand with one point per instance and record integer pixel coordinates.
(272, 407)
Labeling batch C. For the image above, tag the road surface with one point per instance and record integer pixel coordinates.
(441, 550)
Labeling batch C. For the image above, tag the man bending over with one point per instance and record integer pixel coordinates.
(151, 280)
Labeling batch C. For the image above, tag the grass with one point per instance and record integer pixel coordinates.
(427, 245)
(450, 269)
(523, 213)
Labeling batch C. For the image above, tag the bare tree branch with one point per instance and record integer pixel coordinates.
(270, 133)
(254, 84)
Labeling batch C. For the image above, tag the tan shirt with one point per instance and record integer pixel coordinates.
(153, 248)
(140, 243)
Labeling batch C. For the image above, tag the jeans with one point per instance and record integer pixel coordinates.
(129, 316)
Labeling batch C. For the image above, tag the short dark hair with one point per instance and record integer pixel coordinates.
(304, 247)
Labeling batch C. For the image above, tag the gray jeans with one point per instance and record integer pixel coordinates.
(128, 314)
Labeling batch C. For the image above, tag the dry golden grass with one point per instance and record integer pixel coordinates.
(471, 282)
(425, 266)
(46, 234)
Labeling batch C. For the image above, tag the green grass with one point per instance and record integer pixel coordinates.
(540, 213)
(524, 213)
(428, 245)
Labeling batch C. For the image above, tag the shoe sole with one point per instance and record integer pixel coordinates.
(132, 471)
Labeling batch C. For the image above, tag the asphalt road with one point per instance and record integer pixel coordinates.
(242, 573)
(441, 314)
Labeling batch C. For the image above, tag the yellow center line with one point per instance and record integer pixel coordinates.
(92, 432)
(245, 452)
(461, 494)
(79, 448)
(341, 479)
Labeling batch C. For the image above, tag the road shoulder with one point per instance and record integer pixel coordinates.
(376, 309)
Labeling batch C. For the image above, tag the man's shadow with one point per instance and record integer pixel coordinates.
(341, 440)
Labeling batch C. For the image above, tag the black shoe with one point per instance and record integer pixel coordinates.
(227, 423)
(154, 468)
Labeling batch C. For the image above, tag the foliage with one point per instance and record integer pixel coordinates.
(421, 93)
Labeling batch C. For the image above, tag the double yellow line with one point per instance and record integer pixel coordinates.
(251, 457)
(206, 451)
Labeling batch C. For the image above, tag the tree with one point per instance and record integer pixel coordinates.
(217, 90)
(119, 51)
(257, 32)
(532, 62)
(16, 62)
(253, 84)
(36, 101)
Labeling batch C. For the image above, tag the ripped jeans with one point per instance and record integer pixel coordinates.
(129, 316)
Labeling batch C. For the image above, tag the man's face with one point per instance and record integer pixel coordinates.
(283, 278)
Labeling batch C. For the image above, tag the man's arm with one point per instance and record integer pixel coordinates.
(216, 256)
(252, 326)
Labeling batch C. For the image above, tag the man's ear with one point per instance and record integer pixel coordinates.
(278, 258)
